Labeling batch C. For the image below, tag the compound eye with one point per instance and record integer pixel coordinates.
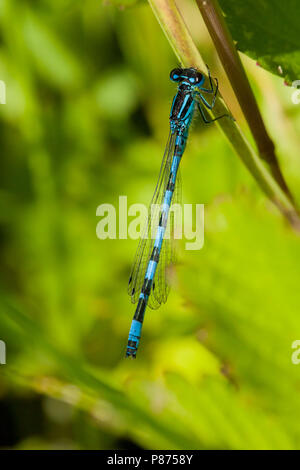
(199, 78)
(175, 75)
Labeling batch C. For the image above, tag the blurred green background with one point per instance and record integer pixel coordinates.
(86, 120)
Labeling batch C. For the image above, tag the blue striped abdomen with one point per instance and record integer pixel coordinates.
(180, 118)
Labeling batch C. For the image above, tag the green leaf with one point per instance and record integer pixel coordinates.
(93, 385)
(57, 63)
(267, 32)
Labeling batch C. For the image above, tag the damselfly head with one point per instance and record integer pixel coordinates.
(190, 75)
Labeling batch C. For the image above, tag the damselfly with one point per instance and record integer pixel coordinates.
(148, 283)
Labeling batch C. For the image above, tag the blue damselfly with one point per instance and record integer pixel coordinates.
(148, 283)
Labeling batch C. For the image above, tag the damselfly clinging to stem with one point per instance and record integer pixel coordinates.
(148, 283)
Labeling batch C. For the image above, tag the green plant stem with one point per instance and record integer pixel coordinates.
(182, 43)
(220, 34)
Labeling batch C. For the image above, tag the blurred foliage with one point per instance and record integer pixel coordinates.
(269, 33)
(86, 120)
